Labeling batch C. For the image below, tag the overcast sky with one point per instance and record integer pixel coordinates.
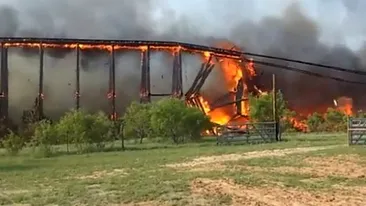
(337, 25)
(330, 14)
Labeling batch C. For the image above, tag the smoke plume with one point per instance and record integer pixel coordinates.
(293, 34)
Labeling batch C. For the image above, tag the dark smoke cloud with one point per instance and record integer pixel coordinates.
(293, 35)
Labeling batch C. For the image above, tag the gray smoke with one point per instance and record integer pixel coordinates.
(293, 35)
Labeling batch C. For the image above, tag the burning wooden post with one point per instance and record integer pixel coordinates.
(177, 81)
(4, 107)
(145, 90)
(238, 96)
(112, 84)
(77, 83)
(201, 77)
(40, 83)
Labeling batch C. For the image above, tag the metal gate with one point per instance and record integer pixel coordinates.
(356, 131)
(261, 132)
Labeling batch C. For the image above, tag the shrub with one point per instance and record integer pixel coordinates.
(44, 137)
(335, 120)
(315, 122)
(84, 130)
(137, 122)
(101, 130)
(13, 143)
(261, 110)
(171, 118)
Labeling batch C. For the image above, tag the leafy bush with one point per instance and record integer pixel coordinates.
(84, 130)
(171, 118)
(332, 121)
(13, 143)
(335, 120)
(137, 122)
(315, 122)
(261, 110)
(45, 136)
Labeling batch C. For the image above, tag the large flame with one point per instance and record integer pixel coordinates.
(232, 71)
(344, 105)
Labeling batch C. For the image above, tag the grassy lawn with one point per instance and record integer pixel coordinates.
(142, 174)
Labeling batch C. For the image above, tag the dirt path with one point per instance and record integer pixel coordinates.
(276, 196)
(248, 155)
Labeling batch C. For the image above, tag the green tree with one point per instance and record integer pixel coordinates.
(13, 143)
(261, 107)
(194, 122)
(315, 122)
(335, 120)
(44, 137)
(85, 130)
(137, 122)
(171, 118)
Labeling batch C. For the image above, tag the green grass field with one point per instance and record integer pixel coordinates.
(309, 169)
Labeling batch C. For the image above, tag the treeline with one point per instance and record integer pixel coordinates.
(166, 120)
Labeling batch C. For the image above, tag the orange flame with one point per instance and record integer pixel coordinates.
(344, 105)
(232, 70)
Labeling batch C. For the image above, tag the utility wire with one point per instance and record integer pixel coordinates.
(305, 72)
(307, 63)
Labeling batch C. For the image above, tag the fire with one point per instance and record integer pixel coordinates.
(299, 125)
(344, 105)
(205, 105)
(233, 70)
(110, 47)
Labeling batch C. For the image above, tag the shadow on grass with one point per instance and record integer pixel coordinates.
(16, 168)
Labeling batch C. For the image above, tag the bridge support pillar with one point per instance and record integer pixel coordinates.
(145, 90)
(77, 80)
(112, 84)
(4, 87)
(39, 101)
(177, 81)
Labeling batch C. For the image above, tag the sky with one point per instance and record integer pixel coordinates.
(331, 15)
(337, 26)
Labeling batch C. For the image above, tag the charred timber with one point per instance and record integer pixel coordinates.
(200, 79)
(161, 95)
(203, 78)
(195, 81)
(4, 106)
(229, 103)
(40, 83)
(145, 90)
(239, 96)
(177, 78)
(223, 98)
(112, 84)
(61, 42)
(77, 85)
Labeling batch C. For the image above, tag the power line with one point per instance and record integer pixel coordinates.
(307, 63)
(305, 72)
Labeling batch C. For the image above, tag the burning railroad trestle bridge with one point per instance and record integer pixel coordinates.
(238, 72)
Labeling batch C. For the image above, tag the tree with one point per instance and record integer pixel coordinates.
(194, 122)
(84, 130)
(261, 109)
(13, 143)
(315, 122)
(45, 135)
(335, 120)
(137, 122)
(171, 118)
